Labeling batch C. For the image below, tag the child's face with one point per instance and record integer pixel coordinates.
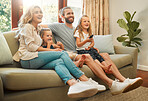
(85, 22)
(47, 36)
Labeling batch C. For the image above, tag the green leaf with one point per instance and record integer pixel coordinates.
(133, 15)
(134, 25)
(138, 43)
(123, 24)
(137, 32)
(127, 16)
(121, 39)
(137, 39)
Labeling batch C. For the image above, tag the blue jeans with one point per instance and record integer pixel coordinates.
(59, 61)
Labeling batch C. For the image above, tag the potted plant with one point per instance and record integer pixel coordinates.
(130, 39)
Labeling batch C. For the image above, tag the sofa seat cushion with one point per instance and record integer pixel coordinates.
(25, 79)
(121, 60)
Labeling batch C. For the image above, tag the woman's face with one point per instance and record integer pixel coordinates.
(37, 15)
(85, 22)
(47, 36)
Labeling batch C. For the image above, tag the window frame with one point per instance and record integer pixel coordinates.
(17, 11)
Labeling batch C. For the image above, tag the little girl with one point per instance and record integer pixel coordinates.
(85, 42)
(46, 36)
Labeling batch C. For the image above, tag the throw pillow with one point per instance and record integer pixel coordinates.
(5, 53)
(104, 43)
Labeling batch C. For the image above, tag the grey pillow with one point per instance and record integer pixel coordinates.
(104, 43)
(5, 53)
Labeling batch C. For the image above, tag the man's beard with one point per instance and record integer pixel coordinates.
(68, 21)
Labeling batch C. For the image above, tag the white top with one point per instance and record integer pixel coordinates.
(30, 41)
(82, 39)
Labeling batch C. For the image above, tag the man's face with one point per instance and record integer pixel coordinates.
(69, 16)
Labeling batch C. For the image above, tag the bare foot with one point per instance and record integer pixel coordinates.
(81, 61)
(109, 71)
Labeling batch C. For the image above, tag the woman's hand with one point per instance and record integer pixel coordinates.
(58, 49)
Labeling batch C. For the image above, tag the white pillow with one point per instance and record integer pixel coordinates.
(104, 43)
(5, 53)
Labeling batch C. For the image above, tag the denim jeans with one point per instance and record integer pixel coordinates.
(59, 61)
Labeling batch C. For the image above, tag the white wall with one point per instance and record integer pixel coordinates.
(116, 9)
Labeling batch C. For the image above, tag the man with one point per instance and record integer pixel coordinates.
(63, 32)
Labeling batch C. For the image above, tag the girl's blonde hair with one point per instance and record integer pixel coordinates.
(43, 30)
(80, 29)
(27, 16)
(42, 33)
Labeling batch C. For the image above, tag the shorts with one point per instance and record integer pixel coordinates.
(93, 53)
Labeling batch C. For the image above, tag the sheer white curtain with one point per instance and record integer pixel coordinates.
(97, 10)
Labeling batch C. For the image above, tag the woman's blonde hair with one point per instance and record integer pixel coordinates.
(27, 16)
(80, 29)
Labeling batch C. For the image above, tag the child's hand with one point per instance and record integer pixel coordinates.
(89, 39)
(60, 45)
(49, 42)
(97, 49)
(87, 48)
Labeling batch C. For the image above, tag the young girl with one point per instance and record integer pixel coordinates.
(46, 36)
(85, 43)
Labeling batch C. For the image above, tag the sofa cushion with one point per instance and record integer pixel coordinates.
(104, 43)
(25, 79)
(5, 53)
(121, 60)
(12, 42)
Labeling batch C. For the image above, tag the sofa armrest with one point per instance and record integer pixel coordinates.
(1, 90)
(128, 50)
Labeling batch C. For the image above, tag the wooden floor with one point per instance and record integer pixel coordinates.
(144, 76)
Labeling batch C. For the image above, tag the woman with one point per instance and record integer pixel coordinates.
(32, 56)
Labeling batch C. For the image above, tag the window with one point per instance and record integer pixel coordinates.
(49, 8)
(5, 15)
(76, 5)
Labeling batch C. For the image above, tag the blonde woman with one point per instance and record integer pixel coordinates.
(32, 56)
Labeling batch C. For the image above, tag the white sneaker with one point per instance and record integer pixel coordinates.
(135, 83)
(100, 87)
(82, 89)
(119, 87)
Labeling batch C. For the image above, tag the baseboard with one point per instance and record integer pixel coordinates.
(143, 67)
